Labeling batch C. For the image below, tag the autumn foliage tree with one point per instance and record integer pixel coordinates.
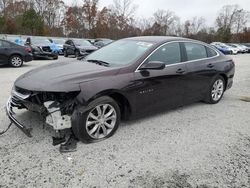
(87, 19)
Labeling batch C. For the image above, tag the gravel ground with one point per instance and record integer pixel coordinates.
(197, 146)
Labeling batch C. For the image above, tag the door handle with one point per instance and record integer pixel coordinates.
(180, 71)
(210, 65)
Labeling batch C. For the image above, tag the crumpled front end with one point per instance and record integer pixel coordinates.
(55, 107)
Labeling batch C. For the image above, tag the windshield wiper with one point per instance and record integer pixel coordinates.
(99, 62)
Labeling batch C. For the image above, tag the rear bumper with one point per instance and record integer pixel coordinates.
(44, 55)
(229, 83)
(28, 58)
(9, 111)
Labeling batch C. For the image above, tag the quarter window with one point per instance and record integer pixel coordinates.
(195, 51)
(168, 54)
(211, 52)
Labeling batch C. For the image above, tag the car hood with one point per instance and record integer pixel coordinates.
(63, 77)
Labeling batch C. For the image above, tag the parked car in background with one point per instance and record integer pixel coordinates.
(233, 49)
(239, 47)
(128, 78)
(248, 46)
(92, 41)
(225, 50)
(99, 43)
(41, 48)
(59, 42)
(16, 39)
(14, 54)
(78, 47)
(247, 49)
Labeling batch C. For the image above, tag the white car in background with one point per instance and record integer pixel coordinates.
(241, 48)
(245, 47)
(234, 50)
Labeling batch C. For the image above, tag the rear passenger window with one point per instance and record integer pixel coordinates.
(211, 52)
(195, 51)
(168, 54)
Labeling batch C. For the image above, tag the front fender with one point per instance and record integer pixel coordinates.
(104, 85)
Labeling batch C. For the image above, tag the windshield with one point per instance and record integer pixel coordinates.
(59, 41)
(40, 41)
(80, 42)
(121, 52)
(223, 46)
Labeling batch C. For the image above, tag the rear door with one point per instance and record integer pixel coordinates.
(200, 69)
(4, 52)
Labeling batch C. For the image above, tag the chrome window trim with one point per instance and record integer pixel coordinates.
(206, 45)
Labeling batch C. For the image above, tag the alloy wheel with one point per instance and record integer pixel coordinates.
(101, 121)
(218, 89)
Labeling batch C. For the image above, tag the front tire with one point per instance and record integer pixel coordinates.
(55, 57)
(216, 90)
(99, 122)
(16, 61)
(65, 53)
(77, 53)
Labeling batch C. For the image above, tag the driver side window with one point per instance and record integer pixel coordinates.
(168, 54)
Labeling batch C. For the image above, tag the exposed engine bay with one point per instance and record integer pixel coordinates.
(55, 108)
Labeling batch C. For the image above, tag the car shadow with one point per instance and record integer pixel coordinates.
(38, 125)
(158, 113)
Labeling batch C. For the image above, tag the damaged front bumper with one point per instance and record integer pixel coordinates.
(11, 114)
(50, 110)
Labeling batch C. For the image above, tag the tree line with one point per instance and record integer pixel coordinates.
(88, 20)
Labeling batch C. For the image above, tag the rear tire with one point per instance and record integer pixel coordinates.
(77, 53)
(99, 122)
(16, 61)
(55, 57)
(216, 90)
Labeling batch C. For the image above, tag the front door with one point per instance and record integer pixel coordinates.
(157, 89)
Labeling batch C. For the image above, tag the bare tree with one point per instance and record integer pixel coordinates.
(166, 20)
(242, 17)
(124, 8)
(90, 12)
(193, 26)
(231, 17)
(3, 5)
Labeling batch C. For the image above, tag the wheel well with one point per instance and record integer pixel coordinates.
(121, 100)
(225, 79)
(16, 55)
(123, 104)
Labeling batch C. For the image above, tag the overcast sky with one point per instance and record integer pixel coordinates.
(185, 9)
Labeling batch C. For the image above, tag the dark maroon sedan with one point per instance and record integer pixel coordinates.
(127, 78)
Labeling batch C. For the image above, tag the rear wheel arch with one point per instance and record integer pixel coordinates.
(224, 76)
(16, 54)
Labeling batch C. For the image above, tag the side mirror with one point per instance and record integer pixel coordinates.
(153, 65)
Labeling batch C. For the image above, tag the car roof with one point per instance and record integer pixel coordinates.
(159, 39)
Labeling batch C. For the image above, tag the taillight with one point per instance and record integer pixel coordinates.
(27, 49)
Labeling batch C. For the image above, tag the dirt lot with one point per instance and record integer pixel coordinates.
(195, 146)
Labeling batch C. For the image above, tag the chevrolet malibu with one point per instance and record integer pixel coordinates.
(128, 78)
